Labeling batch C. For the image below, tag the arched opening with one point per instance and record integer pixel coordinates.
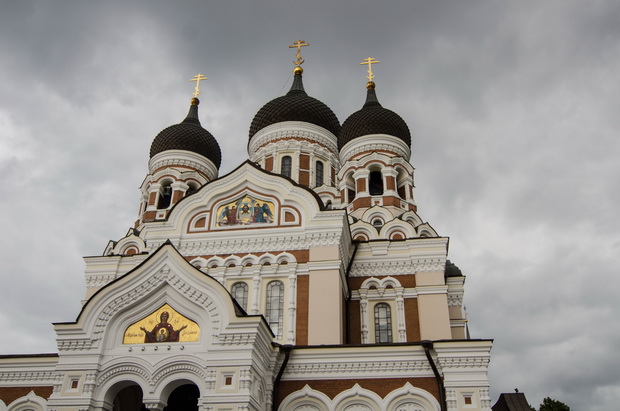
(286, 165)
(165, 195)
(319, 173)
(377, 222)
(191, 189)
(401, 183)
(129, 399)
(375, 183)
(183, 398)
(350, 184)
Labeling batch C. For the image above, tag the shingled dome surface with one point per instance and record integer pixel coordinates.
(373, 119)
(188, 135)
(296, 105)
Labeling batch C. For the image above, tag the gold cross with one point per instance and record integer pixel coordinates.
(370, 61)
(298, 44)
(197, 79)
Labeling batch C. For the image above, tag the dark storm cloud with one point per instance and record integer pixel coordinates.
(513, 109)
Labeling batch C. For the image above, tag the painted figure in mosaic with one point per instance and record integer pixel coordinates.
(259, 215)
(162, 332)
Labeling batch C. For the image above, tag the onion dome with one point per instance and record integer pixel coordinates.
(373, 119)
(296, 105)
(188, 135)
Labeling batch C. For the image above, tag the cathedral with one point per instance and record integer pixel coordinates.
(303, 280)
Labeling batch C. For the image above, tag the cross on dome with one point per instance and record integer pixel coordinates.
(370, 61)
(197, 79)
(298, 45)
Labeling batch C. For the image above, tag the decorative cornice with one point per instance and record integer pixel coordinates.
(23, 377)
(374, 142)
(464, 362)
(412, 266)
(252, 244)
(367, 367)
(184, 158)
(293, 129)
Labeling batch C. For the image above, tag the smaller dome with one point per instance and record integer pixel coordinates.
(188, 135)
(373, 119)
(296, 105)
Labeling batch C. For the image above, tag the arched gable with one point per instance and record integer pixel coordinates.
(164, 278)
(28, 402)
(204, 211)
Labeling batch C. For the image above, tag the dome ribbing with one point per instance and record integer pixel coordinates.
(188, 135)
(373, 119)
(296, 105)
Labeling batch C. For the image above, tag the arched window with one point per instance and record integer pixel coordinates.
(383, 323)
(319, 173)
(375, 183)
(165, 195)
(239, 292)
(286, 165)
(274, 311)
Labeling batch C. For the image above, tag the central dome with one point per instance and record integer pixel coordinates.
(296, 105)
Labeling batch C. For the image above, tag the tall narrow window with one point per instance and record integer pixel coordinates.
(274, 311)
(375, 184)
(286, 165)
(383, 323)
(165, 195)
(239, 292)
(319, 173)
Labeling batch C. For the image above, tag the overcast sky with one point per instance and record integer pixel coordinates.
(514, 108)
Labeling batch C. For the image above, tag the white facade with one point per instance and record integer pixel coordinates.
(320, 290)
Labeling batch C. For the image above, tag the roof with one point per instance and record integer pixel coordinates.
(188, 135)
(373, 118)
(296, 105)
(512, 402)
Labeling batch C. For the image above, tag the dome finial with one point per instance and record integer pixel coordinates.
(370, 61)
(298, 45)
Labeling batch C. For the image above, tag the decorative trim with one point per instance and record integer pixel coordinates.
(374, 142)
(293, 129)
(184, 158)
(411, 266)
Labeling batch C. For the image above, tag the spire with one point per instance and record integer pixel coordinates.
(192, 114)
(297, 88)
(371, 96)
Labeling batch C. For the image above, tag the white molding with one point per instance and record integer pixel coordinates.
(171, 158)
(293, 129)
(374, 142)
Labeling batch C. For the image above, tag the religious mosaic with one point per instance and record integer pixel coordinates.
(163, 325)
(245, 211)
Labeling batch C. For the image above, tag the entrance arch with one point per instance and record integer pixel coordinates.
(128, 398)
(183, 398)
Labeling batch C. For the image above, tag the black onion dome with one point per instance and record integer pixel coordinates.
(296, 105)
(373, 119)
(188, 135)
